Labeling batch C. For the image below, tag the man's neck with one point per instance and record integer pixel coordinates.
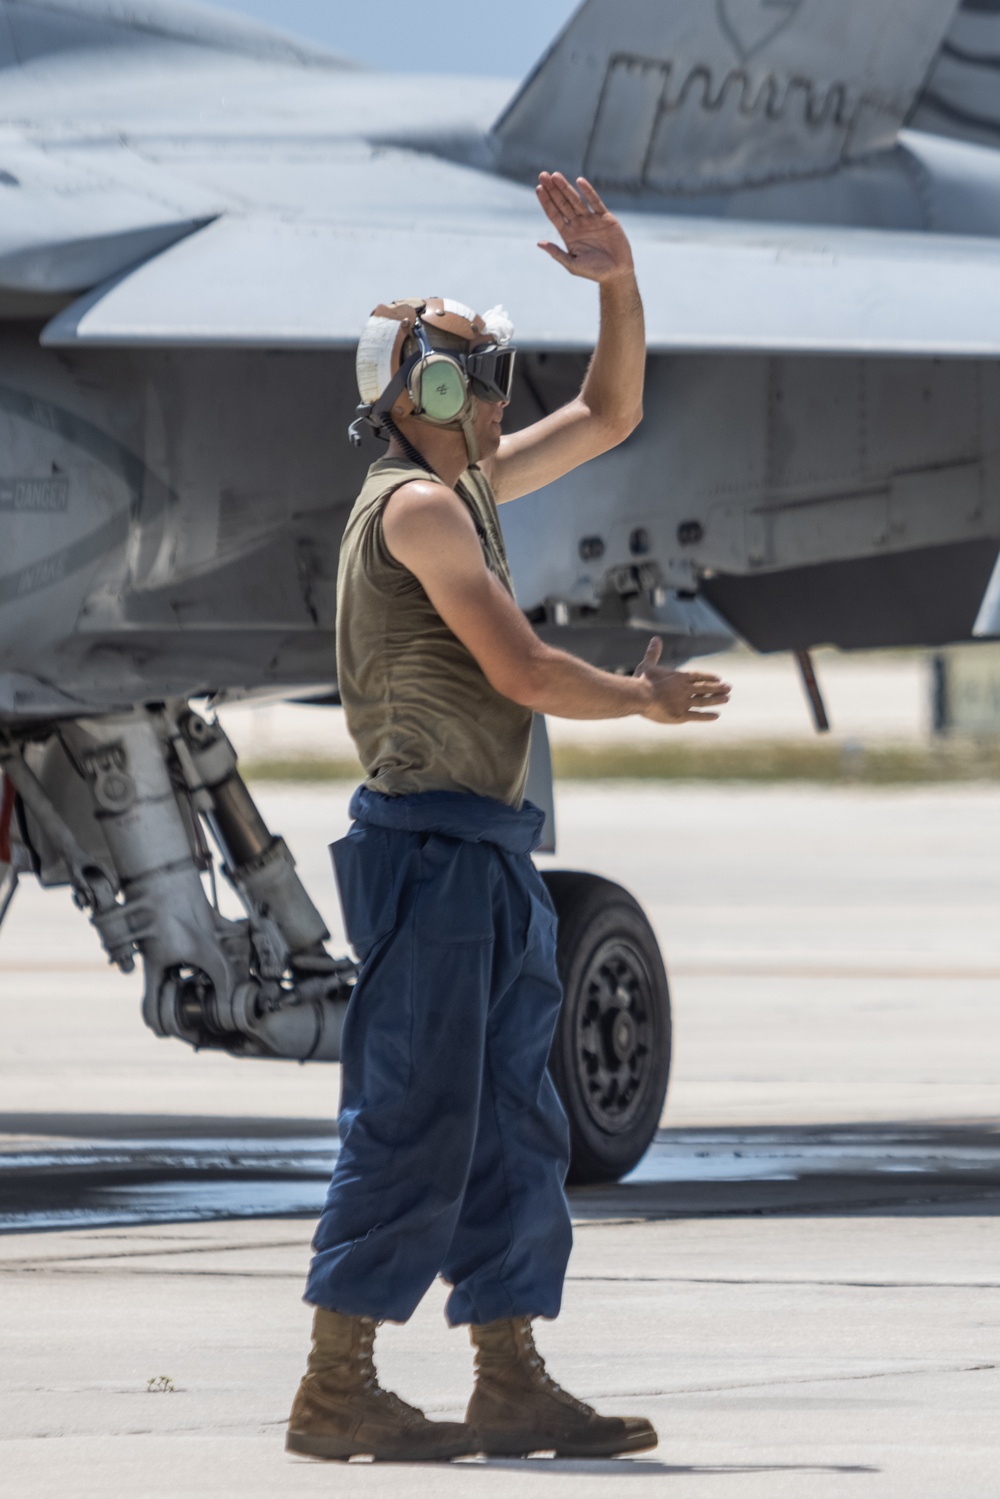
(444, 452)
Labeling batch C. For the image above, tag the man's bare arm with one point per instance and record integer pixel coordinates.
(609, 405)
(428, 529)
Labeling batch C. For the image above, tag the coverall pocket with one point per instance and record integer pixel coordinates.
(543, 925)
(368, 898)
(455, 903)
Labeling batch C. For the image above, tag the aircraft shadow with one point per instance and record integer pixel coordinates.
(59, 1169)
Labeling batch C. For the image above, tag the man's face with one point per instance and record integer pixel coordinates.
(489, 416)
(489, 423)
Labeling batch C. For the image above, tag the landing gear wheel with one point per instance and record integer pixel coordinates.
(611, 1053)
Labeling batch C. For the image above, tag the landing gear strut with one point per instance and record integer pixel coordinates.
(117, 806)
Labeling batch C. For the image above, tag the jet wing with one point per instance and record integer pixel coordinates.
(85, 83)
(694, 97)
(34, 29)
(73, 216)
(311, 224)
(271, 280)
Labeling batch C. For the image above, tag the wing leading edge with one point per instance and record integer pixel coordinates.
(266, 281)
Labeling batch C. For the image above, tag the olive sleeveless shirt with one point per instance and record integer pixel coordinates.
(418, 705)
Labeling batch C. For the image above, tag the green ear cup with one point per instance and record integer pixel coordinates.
(441, 388)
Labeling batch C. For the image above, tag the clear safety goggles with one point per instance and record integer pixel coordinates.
(491, 372)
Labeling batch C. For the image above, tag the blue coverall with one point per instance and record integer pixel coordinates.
(454, 1144)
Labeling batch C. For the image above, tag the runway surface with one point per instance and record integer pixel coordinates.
(798, 1284)
(101, 1173)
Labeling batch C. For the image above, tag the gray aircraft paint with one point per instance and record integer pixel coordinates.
(206, 184)
(687, 98)
(196, 216)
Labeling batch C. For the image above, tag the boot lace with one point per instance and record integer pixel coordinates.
(370, 1385)
(540, 1375)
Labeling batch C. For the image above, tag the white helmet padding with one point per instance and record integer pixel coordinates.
(389, 382)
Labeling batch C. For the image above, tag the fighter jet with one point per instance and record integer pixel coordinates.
(197, 216)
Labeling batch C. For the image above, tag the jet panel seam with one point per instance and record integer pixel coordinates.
(80, 433)
(62, 564)
(825, 107)
(148, 495)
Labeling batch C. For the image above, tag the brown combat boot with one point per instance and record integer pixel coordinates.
(341, 1410)
(517, 1407)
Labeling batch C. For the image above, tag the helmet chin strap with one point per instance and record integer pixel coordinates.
(468, 422)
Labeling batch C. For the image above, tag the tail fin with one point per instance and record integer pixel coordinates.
(700, 95)
(962, 97)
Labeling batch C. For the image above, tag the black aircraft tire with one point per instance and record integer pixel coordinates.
(610, 1057)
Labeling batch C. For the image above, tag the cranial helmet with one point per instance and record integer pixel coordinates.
(430, 358)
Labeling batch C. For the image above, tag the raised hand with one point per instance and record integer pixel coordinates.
(597, 246)
(680, 696)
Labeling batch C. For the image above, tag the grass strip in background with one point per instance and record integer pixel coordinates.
(301, 768)
(820, 762)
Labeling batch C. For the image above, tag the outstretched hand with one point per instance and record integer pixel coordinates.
(680, 696)
(597, 246)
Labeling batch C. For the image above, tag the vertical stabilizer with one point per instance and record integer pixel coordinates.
(697, 95)
(962, 97)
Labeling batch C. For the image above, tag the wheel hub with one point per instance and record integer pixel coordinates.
(623, 1037)
(614, 1039)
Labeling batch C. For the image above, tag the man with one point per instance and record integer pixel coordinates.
(453, 1143)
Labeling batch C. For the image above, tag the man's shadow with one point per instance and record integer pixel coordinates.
(640, 1467)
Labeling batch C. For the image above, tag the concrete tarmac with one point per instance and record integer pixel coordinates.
(800, 1284)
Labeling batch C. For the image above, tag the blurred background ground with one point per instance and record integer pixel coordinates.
(833, 958)
(831, 948)
(877, 699)
(832, 953)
